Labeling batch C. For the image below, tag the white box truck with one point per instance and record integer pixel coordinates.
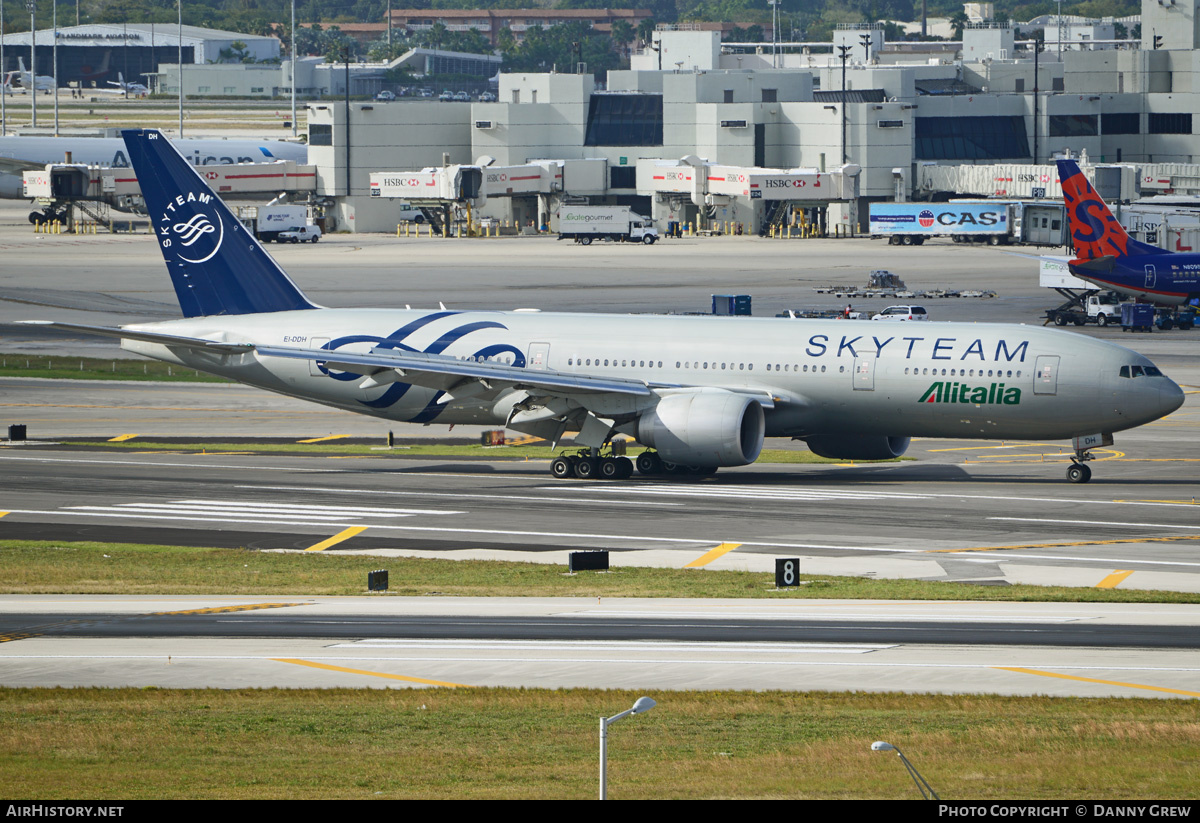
(583, 224)
(269, 222)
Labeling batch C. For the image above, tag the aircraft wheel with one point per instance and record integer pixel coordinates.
(673, 468)
(649, 463)
(561, 468)
(1102, 320)
(610, 469)
(586, 468)
(1079, 473)
(625, 468)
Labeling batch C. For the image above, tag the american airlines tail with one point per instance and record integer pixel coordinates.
(1098, 235)
(216, 266)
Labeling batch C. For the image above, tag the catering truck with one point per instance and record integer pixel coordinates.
(995, 222)
(269, 222)
(583, 224)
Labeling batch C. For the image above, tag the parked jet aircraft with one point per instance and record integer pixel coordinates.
(20, 154)
(1110, 258)
(702, 392)
(131, 89)
(44, 81)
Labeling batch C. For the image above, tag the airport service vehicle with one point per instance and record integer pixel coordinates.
(902, 313)
(302, 234)
(1107, 256)
(583, 224)
(701, 392)
(385, 96)
(995, 222)
(269, 222)
(462, 97)
(487, 97)
(1100, 309)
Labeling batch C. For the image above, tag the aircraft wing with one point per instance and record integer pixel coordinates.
(383, 366)
(11, 165)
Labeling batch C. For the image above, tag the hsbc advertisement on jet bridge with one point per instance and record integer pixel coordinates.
(939, 218)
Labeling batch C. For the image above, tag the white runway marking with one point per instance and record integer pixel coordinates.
(790, 493)
(618, 646)
(1099, 523)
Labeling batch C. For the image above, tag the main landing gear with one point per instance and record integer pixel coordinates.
(588, 464)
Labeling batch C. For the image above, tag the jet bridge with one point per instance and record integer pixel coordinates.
(59, 187)
(440, 191)
(693, 188)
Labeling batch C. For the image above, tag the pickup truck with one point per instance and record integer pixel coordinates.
(301, 234)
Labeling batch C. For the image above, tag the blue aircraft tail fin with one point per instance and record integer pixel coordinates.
(216, 265)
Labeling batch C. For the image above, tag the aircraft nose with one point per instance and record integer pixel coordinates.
(1170, 397)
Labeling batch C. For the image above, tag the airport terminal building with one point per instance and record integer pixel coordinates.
(1118, 105)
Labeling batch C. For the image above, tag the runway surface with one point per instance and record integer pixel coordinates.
(228, 642)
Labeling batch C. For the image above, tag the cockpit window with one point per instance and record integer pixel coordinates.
(1140, 371)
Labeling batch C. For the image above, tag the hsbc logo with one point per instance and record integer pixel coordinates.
(211, 175)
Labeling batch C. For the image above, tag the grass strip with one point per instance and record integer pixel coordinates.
(492, 743)
(100, 368)
(47, 567)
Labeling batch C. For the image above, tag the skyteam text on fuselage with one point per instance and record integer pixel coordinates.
(1107, 256)
(701, 392)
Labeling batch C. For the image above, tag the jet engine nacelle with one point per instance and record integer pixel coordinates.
(849, 447)
(705, 427)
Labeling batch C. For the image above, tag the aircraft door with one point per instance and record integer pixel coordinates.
(1045, 379)
(864, 374)
(314, 365)
(539, 356)
(1150, 275)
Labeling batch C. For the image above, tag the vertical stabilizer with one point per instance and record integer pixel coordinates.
(1094, 230)
(216, 265)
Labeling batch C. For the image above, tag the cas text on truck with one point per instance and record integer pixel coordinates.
(995, 222)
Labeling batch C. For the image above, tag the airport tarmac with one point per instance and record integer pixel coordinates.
(1064, 649)
(988, 513)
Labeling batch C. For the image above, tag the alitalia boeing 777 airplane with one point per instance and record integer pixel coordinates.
(701, 392)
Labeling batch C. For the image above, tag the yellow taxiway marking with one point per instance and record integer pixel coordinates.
(323, 439)
(1103, 682)
(405, 678)
(711, 555)
(1114, 579)
(1115, 541)
(1191, 502)
(246, 607)
(344, 534)
(121, 438)
(3, 513)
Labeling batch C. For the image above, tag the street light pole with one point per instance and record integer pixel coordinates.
(3, 93)
(179, 4)
(774, 33)
(32, 6)
(292, 48)
(927, 792)
(845, 55)
(54, 25)
(865, 40)
(643, 704)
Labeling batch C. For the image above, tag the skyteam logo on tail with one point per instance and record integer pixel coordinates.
(191, 228)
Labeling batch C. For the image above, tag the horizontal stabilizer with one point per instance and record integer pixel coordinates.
(146, 337)
(1101, 265)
